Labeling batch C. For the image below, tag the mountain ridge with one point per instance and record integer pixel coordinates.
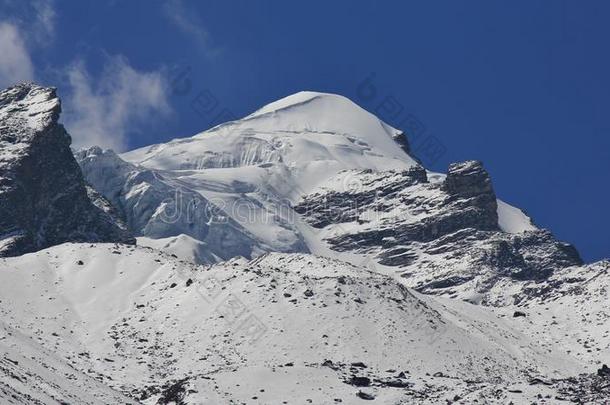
(314, 172)
(299, 256)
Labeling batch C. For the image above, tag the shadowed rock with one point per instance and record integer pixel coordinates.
(44, 199)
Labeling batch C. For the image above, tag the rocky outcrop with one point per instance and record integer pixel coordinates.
(468, 179)
(442, 234)
(401, 139)
(330, 206)
(43, 196)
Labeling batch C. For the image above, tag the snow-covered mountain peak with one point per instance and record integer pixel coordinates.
(283, 155)
(290, 101)
(321, 112)
(310, 135)
(310, 112)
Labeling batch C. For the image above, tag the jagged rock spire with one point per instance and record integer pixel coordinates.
(43, 196)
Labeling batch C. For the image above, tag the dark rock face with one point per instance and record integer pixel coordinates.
(465, 200)
(442, 234)
(43, 197)
(403, 142)
(324, 209)
(469, 186)
(468, 179)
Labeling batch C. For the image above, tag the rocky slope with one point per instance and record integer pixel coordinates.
(43, 196)
(282, 327)
(441, 234)
(33, 374)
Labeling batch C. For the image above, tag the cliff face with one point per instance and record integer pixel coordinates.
(442, 234)
(43, 196)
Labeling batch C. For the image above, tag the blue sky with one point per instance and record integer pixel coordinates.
(521, 85)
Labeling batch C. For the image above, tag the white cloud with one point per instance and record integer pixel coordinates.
(29, 26)
(44, 21)
(15, 62)
(98, 111)
(102, 111)
(189, 24)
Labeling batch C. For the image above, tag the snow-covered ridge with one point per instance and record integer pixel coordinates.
(320, 112)
(255, 168)
(302, 127)
(289, 101)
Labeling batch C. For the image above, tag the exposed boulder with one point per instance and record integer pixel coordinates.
(359, 381)
(604, 371)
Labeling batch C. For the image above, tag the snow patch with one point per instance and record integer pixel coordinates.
(512, 219)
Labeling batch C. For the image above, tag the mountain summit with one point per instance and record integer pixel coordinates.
(309, 111)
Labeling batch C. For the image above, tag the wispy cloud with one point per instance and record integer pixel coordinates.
(99, 110)
(192, 26)
(44, 22)
(15, 62)
(102, 111)
(23, 27)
